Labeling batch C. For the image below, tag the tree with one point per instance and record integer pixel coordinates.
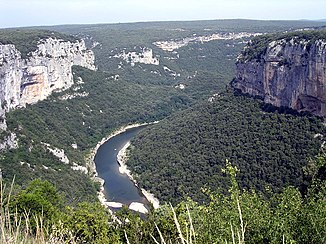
(89, 223)
(40, 201)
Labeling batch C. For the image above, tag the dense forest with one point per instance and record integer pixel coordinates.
(185, 152)
(232, 167)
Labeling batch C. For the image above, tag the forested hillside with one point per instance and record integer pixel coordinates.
(82, 121)
(183, 154)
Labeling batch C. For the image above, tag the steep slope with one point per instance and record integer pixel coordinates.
(31, 77)
(73, 122)
(286, 70)
(184, 154)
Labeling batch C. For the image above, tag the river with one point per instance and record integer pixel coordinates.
(118, 187)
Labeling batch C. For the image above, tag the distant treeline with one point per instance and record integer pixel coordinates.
(26, 40)
(258, 45)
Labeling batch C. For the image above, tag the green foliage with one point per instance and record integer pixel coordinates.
(284, 217)
(312, 219)
(287, 217)
(88, 223)
(269, 148)
(74, 186)
(147, 32)
(239, 216)
(26, 40)
(84, 121)
(216, 57)
(40, 200)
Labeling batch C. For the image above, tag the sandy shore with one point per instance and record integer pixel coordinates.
(151, 198)
(138, 207)
(92, 167)
(123, 169)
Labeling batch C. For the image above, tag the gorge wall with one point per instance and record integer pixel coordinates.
(48, 68)
(289, 71)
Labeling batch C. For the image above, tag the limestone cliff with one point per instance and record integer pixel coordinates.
(287, 71)
(145, 56)
(48, 68)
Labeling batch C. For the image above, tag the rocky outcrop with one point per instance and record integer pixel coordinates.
(9, 142)
(173, 45)
(144, 56)
(289, 72)
(26, 81)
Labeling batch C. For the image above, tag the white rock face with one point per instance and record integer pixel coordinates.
(77, 167)
(171, 72)
(180, 86)
(172, 45)
(145, 56)
(59, 153)
(214, 97)
(26, 81)
(74, 95)
(9, 142)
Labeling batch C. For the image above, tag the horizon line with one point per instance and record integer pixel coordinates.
(159, 21)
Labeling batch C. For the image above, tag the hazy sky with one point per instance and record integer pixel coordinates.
(53, 12)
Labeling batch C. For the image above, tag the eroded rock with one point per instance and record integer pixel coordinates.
(290, 73)
(49, 68)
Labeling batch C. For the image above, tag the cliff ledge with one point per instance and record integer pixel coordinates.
(286, 70)
(26, 80)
